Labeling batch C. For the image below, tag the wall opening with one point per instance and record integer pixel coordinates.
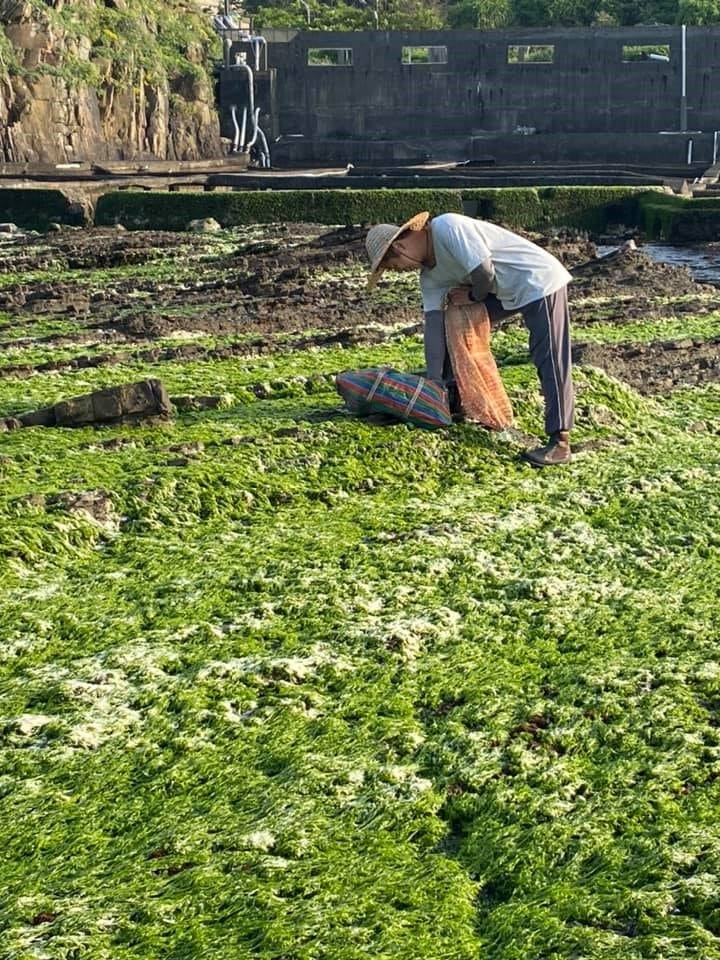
(424, 55)
(531, 53)
(330, 57)
(648, 51)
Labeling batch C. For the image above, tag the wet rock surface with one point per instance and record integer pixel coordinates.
(656, 368)
(301, 285)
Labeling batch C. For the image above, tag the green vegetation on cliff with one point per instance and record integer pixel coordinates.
(120, 45)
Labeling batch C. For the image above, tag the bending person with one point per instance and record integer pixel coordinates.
(462, 260)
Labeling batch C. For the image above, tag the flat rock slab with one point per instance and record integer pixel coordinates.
(143, 400)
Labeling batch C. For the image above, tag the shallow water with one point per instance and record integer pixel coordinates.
(703, 259)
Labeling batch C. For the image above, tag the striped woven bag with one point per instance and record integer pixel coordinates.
(403, 395)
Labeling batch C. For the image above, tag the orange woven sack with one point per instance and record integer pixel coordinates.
(483, 396)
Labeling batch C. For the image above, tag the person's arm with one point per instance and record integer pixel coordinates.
(435, 347)
(482, 279)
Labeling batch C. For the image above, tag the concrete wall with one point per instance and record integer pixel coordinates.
(647, 149)
(586, 89)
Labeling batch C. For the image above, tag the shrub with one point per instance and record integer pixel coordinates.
(588, 208)
(35, 209)
(173, 211)
(667, 217)
(532, 208)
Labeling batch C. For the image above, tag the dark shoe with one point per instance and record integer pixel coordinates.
(455, 403)
(554, 453)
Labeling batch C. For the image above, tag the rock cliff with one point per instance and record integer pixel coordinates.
(106, 80)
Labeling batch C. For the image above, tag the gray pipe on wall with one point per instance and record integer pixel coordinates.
(236, 138)
(683, 68)
(265, 150)
(242, 129)
(259, 43)
(241, 65)
(251, 141)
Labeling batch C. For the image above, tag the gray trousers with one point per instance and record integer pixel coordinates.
(548, 321)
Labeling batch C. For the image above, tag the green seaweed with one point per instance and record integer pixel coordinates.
(315, 688)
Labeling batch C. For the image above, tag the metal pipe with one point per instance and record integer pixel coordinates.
(236, 138)
(683, 71)
(251, 141)
(256, 51)
(242, 129)
(715, 147)
(251, 91)
(689, 151)
(265, 153)
(683, 31)
(261, 42)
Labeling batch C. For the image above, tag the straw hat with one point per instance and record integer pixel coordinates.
(380, 237)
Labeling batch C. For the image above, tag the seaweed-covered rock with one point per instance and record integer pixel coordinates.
(126, 402)
(96, 504)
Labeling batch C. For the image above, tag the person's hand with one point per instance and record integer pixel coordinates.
(459, 296)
